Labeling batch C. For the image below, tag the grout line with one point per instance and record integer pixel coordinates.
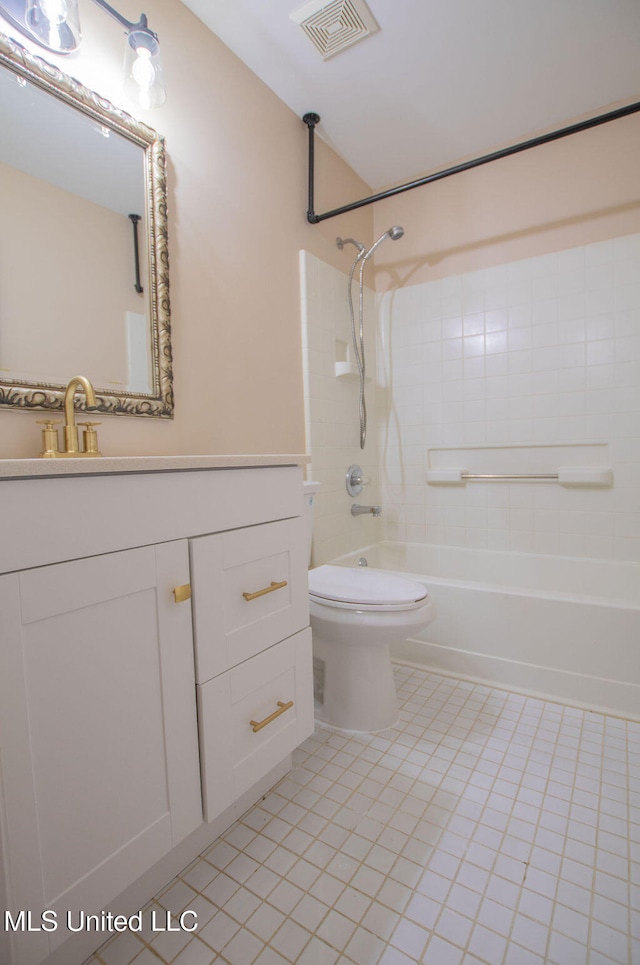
(485, 769)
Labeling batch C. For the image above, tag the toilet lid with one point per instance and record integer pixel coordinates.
(367, 587)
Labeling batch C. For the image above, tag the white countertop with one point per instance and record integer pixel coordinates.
(103, 465)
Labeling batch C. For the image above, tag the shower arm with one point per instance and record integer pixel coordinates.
(311, 120)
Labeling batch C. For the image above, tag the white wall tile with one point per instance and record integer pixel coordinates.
(557, 360)
(544, 350)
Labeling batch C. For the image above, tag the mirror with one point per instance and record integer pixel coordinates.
(84, 271)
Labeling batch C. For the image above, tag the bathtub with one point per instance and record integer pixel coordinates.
(557, 627)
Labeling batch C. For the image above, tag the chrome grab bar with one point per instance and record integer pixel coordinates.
(509, 475)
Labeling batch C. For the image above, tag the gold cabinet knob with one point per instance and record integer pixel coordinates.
(182, 593)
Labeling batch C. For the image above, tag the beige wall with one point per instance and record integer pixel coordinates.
(94, 330)
(237, 181)
(575, 191)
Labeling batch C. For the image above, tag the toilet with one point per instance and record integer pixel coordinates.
(356, 613)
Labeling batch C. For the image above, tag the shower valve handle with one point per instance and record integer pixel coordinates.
(355, 480)
(363, 481)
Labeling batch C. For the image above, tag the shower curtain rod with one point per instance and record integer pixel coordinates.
(312, 119)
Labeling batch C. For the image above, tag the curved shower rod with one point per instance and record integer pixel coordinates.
(311, 120)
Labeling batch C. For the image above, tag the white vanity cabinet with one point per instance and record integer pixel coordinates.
(98, 730)
(102, 766)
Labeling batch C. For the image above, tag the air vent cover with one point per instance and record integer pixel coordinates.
(336, 25)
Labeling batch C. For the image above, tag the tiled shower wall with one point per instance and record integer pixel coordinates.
(544, 350)
(331, 403)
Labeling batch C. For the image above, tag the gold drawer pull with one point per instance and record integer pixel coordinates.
(257, 725)
(182, 593)
(267, 589)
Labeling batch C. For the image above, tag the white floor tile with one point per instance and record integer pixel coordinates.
(487, 828)
(195, 953)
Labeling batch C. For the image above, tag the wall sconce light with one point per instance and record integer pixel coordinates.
(55, 24)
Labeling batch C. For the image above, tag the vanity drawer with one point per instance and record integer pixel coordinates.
(249, 590)
(251, 717)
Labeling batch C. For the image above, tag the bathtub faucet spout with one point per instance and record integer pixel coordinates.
(363, 510)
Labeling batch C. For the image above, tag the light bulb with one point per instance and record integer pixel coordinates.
(54, 10)
(54, 23)
(144, 81)
(143, 70)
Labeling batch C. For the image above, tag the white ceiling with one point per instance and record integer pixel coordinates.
(442, 80)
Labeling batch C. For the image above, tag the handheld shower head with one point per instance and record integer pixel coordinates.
(394, 233)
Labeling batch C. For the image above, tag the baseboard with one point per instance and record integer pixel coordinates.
(599, 694)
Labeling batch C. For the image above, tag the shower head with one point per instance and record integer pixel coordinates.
(394, 233)
(341, 242)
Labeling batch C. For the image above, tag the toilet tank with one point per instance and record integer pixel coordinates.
(310, 490)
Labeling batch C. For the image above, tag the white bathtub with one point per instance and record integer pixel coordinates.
(563, 628)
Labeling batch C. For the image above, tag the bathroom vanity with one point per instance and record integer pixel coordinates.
(155, 675)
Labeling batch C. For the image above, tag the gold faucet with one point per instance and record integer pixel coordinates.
(70, 430)
(71, 444)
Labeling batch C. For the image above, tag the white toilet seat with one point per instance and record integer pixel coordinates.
(348, 588)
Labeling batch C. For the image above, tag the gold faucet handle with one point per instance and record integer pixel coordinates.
(50, 445)
(90, 437)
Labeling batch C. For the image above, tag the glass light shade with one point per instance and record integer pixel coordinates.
(54, 23)
(143, 74)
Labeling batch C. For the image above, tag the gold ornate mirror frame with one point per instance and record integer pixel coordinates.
(159, 401)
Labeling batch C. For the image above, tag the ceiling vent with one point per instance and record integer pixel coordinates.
(336, 25)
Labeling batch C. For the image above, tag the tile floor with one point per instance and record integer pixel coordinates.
(488, 828)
